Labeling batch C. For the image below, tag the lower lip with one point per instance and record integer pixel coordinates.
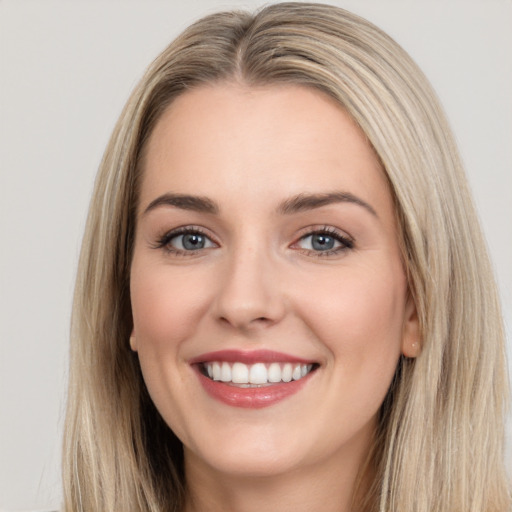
(251, 398)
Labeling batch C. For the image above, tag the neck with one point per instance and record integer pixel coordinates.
(326, 487)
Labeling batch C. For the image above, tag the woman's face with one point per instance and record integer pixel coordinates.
(269, 298)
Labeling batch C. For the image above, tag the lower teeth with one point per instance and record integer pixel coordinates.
(250, 385)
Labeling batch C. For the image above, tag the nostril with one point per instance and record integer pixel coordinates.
(261, 320)
(245, 323)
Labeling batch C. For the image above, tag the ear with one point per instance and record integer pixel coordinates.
(411, 343)
(133, 341)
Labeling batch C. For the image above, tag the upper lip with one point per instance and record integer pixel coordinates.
(249, 357)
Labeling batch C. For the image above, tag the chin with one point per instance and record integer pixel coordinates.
(246, 464)
(244, 457)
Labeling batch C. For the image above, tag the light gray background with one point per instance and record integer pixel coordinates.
(67, 67)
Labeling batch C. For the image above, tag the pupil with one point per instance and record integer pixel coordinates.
(322, 242)
(193, 241)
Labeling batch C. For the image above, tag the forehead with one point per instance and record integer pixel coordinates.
(259, 143)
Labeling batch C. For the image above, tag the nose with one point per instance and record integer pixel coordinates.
(250, 292)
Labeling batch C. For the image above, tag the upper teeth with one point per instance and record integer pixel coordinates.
(259, 373)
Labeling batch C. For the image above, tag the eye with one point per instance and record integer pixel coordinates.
(190, 241)
(324, 242)
(185, 240)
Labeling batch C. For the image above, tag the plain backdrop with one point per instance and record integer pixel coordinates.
(67, 68)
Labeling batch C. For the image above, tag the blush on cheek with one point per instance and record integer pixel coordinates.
(160, 314)
(357, 314)
(361, 325)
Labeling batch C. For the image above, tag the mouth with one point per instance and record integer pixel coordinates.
(253, 379)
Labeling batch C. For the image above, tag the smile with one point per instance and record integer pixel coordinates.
(255, 375)
(252, 379)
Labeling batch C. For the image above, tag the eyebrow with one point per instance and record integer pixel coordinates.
(295, 204)
(184, 202)
(303, 202)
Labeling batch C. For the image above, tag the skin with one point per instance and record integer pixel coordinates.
(259, 284)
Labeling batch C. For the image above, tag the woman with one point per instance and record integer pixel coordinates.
(284, 299)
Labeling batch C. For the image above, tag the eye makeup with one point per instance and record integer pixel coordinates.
(191, 240)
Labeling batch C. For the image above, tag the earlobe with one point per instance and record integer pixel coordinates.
(411, 343)
(411, 350)
(133, 342)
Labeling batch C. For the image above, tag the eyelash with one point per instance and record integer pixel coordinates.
(164, 241)
(347, 243)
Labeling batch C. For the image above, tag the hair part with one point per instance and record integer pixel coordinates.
(440, 441)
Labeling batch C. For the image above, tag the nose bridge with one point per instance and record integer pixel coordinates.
(249, 293)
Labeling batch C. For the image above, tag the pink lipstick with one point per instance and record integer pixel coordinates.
(252, 379)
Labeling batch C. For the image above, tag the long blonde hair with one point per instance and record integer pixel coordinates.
(441, 434)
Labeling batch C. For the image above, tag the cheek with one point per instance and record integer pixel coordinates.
(359, 315)
(166, 306)
(360, 323)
